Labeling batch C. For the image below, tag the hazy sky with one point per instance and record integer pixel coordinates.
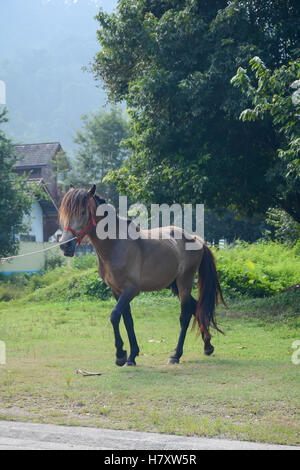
(43, 46)
(26, 24)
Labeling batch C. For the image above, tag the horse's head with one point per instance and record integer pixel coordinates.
(76, 215)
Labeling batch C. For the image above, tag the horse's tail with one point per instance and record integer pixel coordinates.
(209, 294)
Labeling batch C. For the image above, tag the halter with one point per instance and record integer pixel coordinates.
(81, 234)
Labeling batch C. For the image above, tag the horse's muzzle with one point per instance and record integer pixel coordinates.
(69, 248)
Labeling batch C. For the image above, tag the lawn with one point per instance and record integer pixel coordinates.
(248, 389)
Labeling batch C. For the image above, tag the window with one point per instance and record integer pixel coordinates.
(27, 238)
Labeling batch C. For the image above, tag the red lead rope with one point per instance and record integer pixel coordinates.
(81, 234)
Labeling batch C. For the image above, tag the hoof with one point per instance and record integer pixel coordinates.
(209, 351)
(173, 360)
(120, 361)
(129, 364)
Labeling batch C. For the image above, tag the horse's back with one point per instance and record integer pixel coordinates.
(167, 253)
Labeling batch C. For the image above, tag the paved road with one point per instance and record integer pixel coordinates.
(18, 436)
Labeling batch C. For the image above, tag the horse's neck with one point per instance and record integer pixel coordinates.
(103, 248)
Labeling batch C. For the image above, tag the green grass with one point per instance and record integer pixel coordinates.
(249, 388)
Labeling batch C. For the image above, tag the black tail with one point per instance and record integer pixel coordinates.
(209, 294)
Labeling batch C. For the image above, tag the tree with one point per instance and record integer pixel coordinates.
(285, 229)
(15, 197)
(99, 149)
(231, 227)
(172, 63)
(277, 95)
(61, 166)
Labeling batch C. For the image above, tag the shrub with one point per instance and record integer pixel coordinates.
(286, 228)
(94, 288)
(252, 270)
(54, 261)
(257, 270)
(9, 292)
(297, 248)
(15, 279)
(244, 280)
(84, 262)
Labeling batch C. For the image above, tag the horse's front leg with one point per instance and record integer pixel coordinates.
(122, 306)
(134, 349)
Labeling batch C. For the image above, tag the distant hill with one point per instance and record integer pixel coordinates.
(44, 44)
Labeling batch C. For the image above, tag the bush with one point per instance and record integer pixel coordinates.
(54, 261)
(244, 280)
(13, 286)
(9, 292)
(297, 248)
(286, 228)
(257, 270)
(15, 279)
(84, 262)
(94, 288)
(252, 270)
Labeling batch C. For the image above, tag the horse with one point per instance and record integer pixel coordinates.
(157, 259)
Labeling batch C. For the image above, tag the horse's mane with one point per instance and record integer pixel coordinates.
(74, 202)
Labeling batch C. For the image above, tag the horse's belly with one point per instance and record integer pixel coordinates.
(156, 276)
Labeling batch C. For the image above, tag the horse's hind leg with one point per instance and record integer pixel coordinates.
(188, 307)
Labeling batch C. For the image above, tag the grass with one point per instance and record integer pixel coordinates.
(248, 389)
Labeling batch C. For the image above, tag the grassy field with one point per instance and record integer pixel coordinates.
(248, 389)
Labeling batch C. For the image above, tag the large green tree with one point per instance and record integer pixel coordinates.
(172, 62)
(15, 197)
(276, 95)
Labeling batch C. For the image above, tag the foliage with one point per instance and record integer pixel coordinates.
(15, 197)
(99, 150)
(297, 248)
(257, 270)
(252, 270)
(286, 229)
(172, 62)
(94, 288)
(277, 94)
(53, 261)
(61, 166)
(84, 262)
(12, 286)
(231, 226)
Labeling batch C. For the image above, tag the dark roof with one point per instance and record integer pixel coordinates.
(30, 155)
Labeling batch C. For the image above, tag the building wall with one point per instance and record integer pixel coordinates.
(35, 221)
(32, 263)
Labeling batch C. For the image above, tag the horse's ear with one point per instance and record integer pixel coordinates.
(92, 191)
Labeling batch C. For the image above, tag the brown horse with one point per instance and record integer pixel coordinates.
(150, 262)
